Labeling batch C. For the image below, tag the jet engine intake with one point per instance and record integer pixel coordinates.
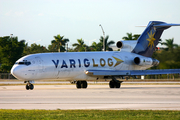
(119, 44)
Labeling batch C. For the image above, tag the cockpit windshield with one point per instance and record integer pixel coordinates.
(23, 63)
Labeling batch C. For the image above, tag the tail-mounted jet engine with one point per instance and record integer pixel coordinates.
(145, 61)
(126, 45)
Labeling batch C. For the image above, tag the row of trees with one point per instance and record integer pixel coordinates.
(11, 50)
(169, 57)
(59, 44)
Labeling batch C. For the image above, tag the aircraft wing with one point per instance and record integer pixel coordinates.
(131, 72)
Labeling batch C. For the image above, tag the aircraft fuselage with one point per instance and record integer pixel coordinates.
(73, 65)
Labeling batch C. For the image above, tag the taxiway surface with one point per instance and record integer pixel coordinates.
(134, 97)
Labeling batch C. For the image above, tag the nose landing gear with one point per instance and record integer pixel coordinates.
(29, 85)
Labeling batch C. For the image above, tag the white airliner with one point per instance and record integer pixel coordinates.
(133, 59)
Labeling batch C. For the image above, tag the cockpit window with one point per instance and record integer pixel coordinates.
(23, 63)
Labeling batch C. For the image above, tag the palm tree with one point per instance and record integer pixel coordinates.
(96, 47)
(128, 37)
(80, 46)
(169, 44)
(107, 44)
(131, 37)
(136, 36)
(59, 43)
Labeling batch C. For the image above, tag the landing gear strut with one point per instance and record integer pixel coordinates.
(29, 85)
(115, 83)
(81, 84)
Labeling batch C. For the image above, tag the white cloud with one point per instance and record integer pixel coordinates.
(40, 14)
(19, 13)
(9, 13)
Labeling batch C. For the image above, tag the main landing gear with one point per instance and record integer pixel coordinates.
(81, 84)
(29, 85)
(115, 83)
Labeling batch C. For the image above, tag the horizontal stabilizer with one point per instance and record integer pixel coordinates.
(166, 25)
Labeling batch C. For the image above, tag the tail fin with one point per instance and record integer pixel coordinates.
(149, 39)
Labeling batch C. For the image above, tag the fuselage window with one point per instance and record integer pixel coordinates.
(27, 63)
(23, 63)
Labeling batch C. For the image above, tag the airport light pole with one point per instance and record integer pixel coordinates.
(10, 55)
(11, 36)
(67, 47)
(103, 37)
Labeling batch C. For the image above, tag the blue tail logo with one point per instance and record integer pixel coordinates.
(149, 39)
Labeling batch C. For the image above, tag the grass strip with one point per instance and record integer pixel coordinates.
(89, 114)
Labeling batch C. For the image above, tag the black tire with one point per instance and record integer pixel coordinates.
(78, 84)
(31, 86)
(111, 84)
(83, 84)
(117, 85)
(27, 87)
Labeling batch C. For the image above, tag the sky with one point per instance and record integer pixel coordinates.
(37, 21)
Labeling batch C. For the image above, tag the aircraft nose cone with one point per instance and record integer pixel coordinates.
(15, 72)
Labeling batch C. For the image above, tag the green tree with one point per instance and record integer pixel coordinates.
(169, 44)
(107, 44)
(0, 55)
(11, 51)
(136, 36)
(58, 44)
(96, 46)
(34, 48)
(80, 46)
(168, 59)
(131, 37)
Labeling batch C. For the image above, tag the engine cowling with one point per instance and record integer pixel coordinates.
(145, 61)
(126, 45)
(119, 44)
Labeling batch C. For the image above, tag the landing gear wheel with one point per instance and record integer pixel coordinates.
(111, 84)
(81, 84)
(114, 84)
(27, 87)
(78, 84)
(117, 85)
(31, 86)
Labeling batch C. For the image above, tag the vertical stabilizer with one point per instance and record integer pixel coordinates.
(149, 39)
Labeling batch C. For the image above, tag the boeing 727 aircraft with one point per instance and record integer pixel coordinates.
(133, 59)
